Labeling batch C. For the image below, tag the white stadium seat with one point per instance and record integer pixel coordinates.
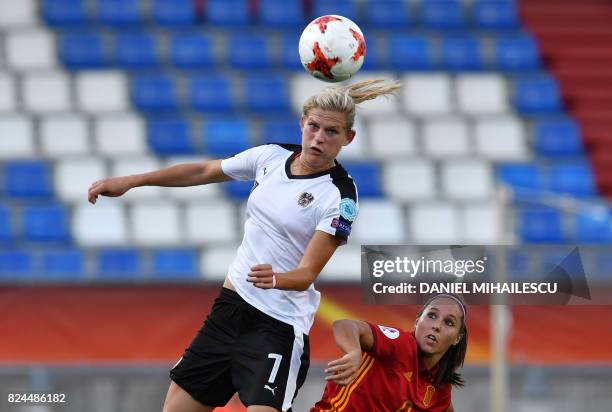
(102, 224)
(30, 49)
(105, 91)
(17, 13)
(482, 94)
(64, 135)
(122, 134)
(211, 222)
(8, 95)
(466, 179)
(501, 138)
(46, 92)
(302, 87)
(379, 222)
(344, 265)
(480, 223)
(359, 147)
(410, 179)
(191, 192)
(16, 137)
(126, 166)
(216, 260)
(433, 224)
(73, 177)
(381, 106)
(427, 94)
(391, 137)
(446, 137)
(155, 224)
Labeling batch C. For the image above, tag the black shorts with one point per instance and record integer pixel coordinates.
(241, 349)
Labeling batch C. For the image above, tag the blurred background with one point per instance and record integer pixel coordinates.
(98, 302)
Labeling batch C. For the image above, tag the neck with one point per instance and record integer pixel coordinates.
(431, 360)
(300, 166)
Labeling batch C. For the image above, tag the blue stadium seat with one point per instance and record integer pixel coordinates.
(523, 178)
(516, 53)
(376, 57)
(540, 225)
(64, 12)
(174, 12)
(192, 51)
(266, 93)
(7, 232)
(367, 177)
(136, 50)
(462, 53)
(575, 179)
(495, 14)
(282, 131)
(289, 55)
(226, 137)
(593, 226)
(410, 52)
(239, 190)
(28, 179)
(346, 8)
(119, 13)
(118, 264)
(16, 265)
(175, 264)
(386, 14)
(249, 52)
(82, 50)
(442, 14)
(46, 223)
(227, 12)
(63, 264)
(557, 138)
(211, 93)
(154, 92)
(281, 13)
(170, 136)
(538, 95)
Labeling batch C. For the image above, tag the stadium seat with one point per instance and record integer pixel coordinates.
(203, 192)
(302, 87)
(73, 177)
(410, 52)
(466, 179)
(215, 261)
(419, 172)
(359, 149)
(155, 93)
(16, 265)
(101, 225)
(442, 14)
(192, 51)
(238, 190)
(479, 94)
(427, 94)
(249, 51)
(27, 179)
(166, 230)
(46, 223)
(385, 106)
(495, 14)
(526, 178)
(575, 179)
(281, 131)
(516, 53)
(63, 264)
(174, 13)
(121, 134)
(46, 92)
(118, 264)
(434, 223)
(30, 49)
(501, 138)
(135, 165)
(7, 229)
(538, 224)
(281, 13)
(385, 14)
(289, 54)
(593, 225)
(391, 137)
(62, 13)
(446, 137)
(557, 138)
(175, 264)
(462, 53)
(266, 93)
(211, 222)
(226, 137)
(227, 12)
(83, 50)
(21, 144)
(538, 95)
(212, 92)
(170, 136)
(64, 135)
(18, 14)
(480, 224)
(102, 92)
(8, 93)
(343, 266)
(136, 51)
(367, 177)
(346, 8)
(377, 57)
(118, 13)
(379, 222)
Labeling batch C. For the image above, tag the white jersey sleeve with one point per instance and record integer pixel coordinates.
(243, 166)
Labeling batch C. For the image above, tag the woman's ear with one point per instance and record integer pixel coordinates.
(459, 337)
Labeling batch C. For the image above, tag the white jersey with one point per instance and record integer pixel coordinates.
(283, 212)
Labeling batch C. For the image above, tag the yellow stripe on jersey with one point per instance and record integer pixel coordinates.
(370, 363)
(345, 388)
(339, 402)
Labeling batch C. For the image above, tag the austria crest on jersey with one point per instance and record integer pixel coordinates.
(332, 48)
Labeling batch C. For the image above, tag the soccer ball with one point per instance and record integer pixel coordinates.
(332, 48)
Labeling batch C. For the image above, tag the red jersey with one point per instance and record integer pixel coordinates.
(391, 378)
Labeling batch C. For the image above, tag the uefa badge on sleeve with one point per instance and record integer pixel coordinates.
(348, 209)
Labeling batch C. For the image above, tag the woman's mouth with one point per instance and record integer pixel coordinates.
(316, 150)
(431, 338)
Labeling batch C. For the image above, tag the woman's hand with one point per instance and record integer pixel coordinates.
(262, 276)
(110, 186)
(343, 371)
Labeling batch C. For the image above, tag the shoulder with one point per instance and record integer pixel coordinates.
(390, 341)
(344, 183)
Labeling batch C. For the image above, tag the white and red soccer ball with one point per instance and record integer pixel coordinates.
(332, 48)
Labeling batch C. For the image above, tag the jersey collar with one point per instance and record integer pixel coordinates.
(290, 175)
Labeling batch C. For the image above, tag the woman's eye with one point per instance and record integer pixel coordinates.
(450, 323)
(431, 315)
